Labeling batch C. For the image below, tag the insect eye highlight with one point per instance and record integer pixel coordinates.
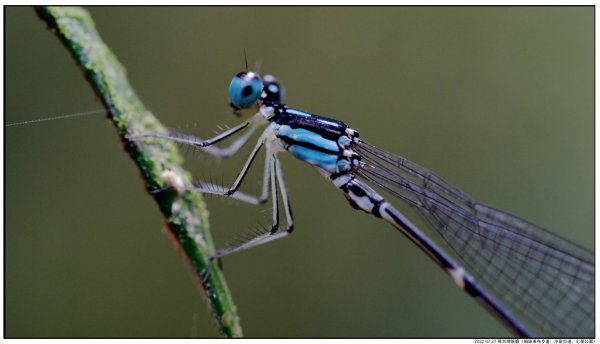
(245, 89)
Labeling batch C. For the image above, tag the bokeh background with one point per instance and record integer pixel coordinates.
(498, 100)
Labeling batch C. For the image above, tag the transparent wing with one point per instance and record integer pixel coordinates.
(542, 278)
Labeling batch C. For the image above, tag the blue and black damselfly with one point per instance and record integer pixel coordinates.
(536, 282)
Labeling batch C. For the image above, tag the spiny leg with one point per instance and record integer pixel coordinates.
(272, 171)
(207, 145)
(215, 189)
(232, 192)
(223, 152)
(240, 177)
(284, 196)
(274, 198)
(275, 174)
(218, 190)
(240, 196)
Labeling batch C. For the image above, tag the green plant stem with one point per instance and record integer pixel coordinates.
(158, 160)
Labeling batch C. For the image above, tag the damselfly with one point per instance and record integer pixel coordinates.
(496, 100)
(536, 282)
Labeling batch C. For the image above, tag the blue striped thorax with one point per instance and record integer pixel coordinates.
(322, 142)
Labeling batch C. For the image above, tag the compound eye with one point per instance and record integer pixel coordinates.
(245, 89)
(273, 91)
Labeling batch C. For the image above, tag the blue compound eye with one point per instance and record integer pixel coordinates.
(273, 91)
(245, 89)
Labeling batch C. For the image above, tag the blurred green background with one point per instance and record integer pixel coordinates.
(498, 100)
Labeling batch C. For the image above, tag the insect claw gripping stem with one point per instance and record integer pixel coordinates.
(159, 190)
(206, 273)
